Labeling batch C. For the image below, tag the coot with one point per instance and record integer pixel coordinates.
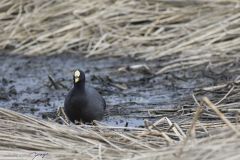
(83, 103)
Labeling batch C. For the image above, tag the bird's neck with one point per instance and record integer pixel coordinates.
(80, 86)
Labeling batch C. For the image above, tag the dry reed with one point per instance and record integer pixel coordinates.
(183, 33)
(24, 137)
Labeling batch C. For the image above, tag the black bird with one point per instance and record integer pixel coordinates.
(83, 103)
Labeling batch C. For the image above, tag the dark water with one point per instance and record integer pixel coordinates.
(26, 88)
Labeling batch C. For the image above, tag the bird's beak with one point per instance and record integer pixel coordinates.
(76, 79)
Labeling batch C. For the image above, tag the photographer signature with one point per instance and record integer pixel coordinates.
(38, 154)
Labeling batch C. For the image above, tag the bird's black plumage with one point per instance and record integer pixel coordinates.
(83, 102)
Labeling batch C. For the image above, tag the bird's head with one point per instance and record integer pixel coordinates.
(78, 77)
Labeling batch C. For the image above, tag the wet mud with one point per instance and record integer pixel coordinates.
(37, 85)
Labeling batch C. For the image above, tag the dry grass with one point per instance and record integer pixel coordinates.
(184, 33)
(22, 137)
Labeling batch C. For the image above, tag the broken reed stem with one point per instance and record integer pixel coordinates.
(191, 132)
(225, 96)
(53, 82)
(220, 114)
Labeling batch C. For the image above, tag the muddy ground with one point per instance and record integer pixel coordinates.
(129, 89)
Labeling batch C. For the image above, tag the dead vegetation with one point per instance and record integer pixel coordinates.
(191, 138)
(184, 33)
